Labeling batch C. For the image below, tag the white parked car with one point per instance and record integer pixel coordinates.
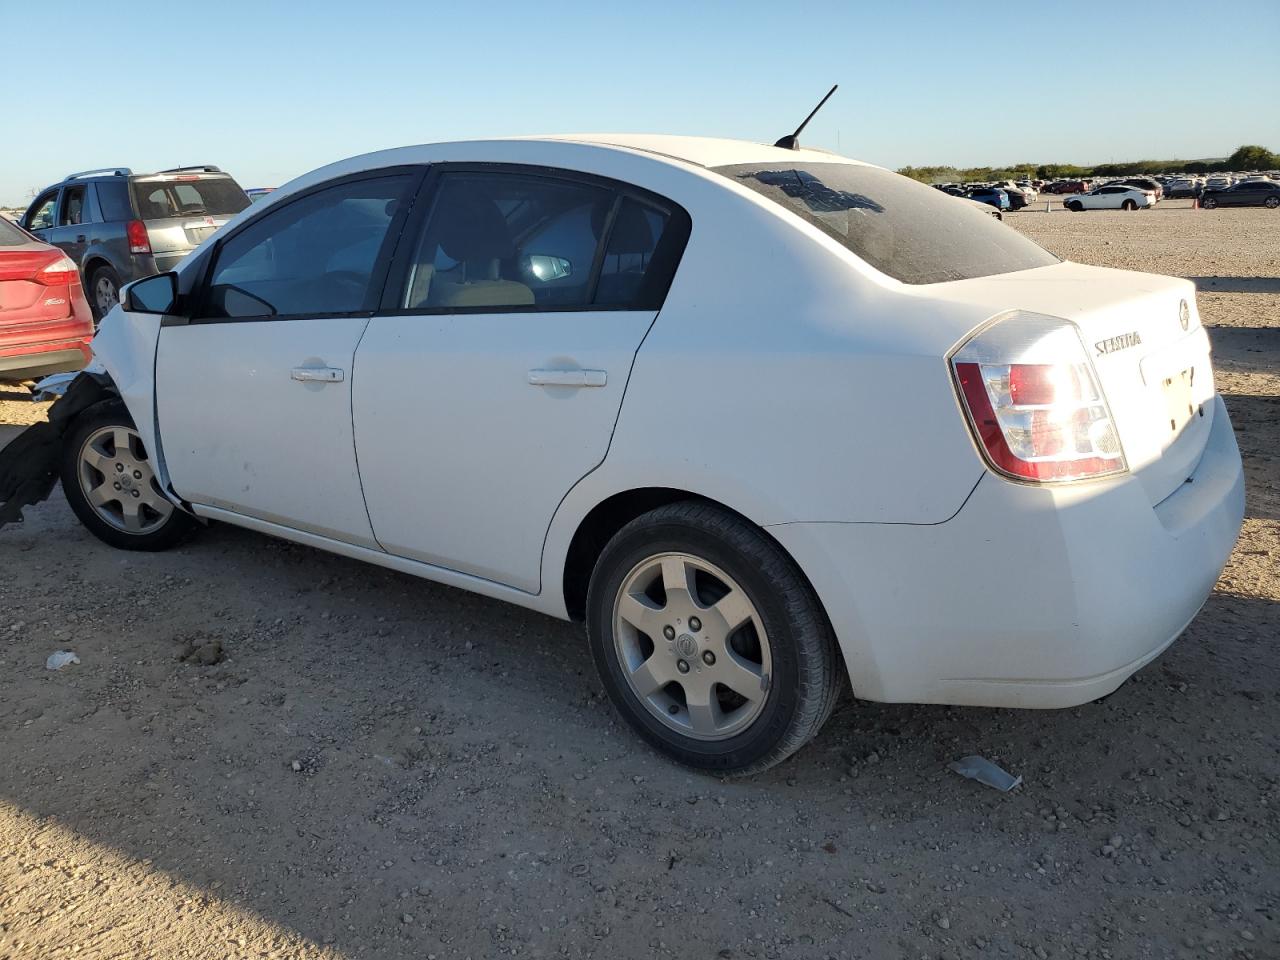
(1115, 196)
(772, 422)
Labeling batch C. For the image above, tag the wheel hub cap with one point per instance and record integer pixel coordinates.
(117, 480)
(692, 646)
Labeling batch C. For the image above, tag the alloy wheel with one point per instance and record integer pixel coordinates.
(692, 646)
(118, 482)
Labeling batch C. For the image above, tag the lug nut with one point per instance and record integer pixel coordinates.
(682, 666)
(669, 632)
(116, 484)
(119, 468)
(708, 658)
(695, 624)
(137, 474)
(135, 494)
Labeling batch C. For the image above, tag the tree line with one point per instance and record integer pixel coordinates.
(1250, 157)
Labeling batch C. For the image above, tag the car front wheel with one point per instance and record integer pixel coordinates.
(1208, 203)
(709, 641)
(108, 479)
(1075, 207)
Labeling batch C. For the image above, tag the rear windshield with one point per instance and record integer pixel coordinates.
(905, 229)
(11, 236)
(158, 199)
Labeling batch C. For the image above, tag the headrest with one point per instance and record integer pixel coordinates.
(474, 227)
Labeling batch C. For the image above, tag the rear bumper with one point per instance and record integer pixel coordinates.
(40, 360)
(1029, 596)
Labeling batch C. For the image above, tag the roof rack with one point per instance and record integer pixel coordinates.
(204, 167)
(113, 171)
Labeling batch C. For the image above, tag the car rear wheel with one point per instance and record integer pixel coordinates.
(1272, 202)
(104, 292)
(709, 641)
(1208, 203)
(108, 479)
(1129, 205)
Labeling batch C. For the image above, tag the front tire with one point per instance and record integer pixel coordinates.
(709, 640)
(1075, 206)
(1209, 203)
(109, 482)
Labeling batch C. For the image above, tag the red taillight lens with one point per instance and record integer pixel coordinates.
(1037, 420)
(139, 242)
(62, 272)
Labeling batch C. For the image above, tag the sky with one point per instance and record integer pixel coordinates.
(270, 90)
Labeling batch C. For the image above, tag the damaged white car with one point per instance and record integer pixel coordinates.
(769, 420)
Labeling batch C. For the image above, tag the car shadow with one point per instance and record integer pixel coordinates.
(372, 740)
(1245, 349)
(1236, 284)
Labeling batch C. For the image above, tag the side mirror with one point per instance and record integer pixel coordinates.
(547, 268)
(156, 294)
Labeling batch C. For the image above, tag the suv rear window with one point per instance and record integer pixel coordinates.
(905, 229)
(199, 196)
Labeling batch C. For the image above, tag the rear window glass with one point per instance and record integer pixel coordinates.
(158, 199)
(11, 236)
(905, 229)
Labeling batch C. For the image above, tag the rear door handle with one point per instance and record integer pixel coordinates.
(568, 378)
(317, 374)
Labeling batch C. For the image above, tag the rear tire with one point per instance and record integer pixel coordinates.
(110, 485)
(1271, 203)
(1129, 205)
(103, 292)
(737, 693)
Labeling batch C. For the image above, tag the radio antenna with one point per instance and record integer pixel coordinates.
(792, 141)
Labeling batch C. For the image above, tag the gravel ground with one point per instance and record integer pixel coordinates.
(352, 763)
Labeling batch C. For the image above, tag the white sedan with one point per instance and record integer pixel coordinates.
(770, 421)
(1116, 196)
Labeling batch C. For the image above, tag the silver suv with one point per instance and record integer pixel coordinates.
(119, 226)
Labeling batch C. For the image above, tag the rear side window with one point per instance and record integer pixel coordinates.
(904, 229)
(499, 240)
(315, 255)
(189, 197)
(113, 200)
(511, 241)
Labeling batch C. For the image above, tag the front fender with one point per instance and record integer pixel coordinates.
(125, 349)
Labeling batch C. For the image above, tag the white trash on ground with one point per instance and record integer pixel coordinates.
(59, 659)
(984, 771)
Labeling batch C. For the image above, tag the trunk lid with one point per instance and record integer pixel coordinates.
(1151, 356)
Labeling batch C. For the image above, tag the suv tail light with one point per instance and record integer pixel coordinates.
(62, 272)
(139, 242)
(1034, 402)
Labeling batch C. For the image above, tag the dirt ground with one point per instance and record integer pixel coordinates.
(384, 768)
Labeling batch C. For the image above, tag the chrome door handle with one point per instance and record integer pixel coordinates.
(568, 378)
(317, 374)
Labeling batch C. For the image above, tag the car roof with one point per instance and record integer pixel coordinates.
(702, 151)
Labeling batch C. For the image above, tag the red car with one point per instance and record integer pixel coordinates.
(45, 323)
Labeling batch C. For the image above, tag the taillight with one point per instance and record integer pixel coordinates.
(1034, 401)
(60, 273)
(139, 242)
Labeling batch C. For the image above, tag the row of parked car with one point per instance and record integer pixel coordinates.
(1132, 193)
(62, 265)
